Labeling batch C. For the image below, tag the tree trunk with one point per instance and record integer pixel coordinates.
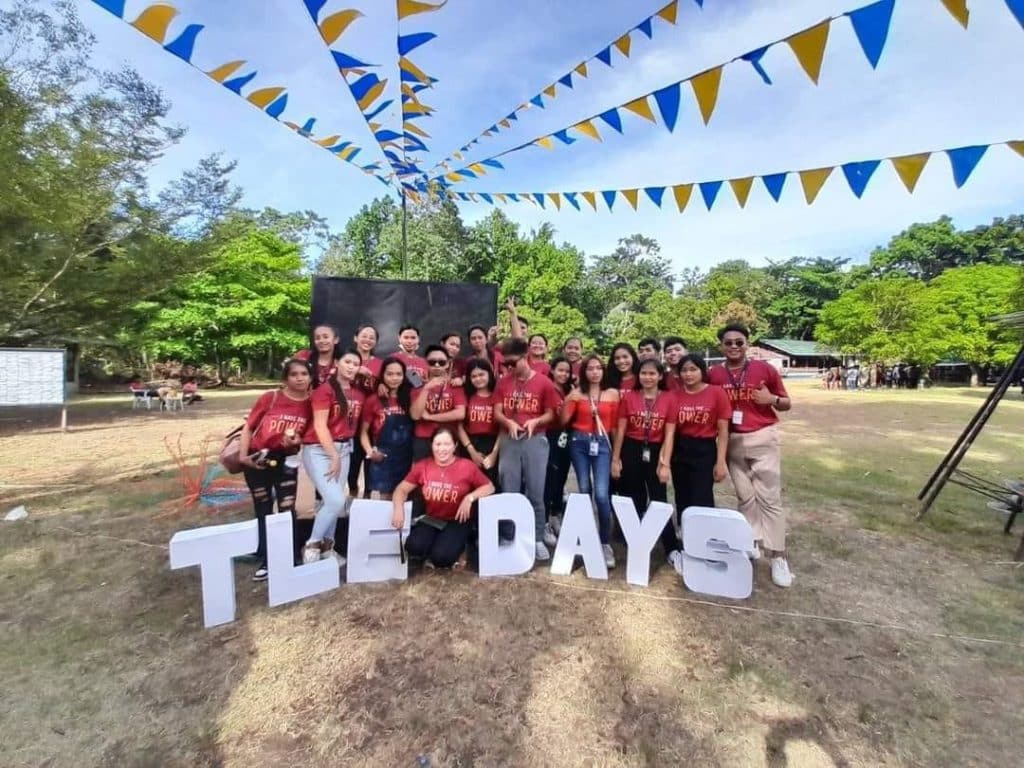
(975, 375)
(74, 361)
(270, 362)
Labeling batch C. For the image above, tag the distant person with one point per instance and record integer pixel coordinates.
(852, 377)
(190, 391)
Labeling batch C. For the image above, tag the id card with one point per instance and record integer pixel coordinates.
(737, 418)
(645, 455)
(594, 448)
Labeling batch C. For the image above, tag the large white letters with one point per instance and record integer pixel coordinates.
(497, 559)
(640, 535)
(373, 546)
(716, 542)
(286, 581)
(211, 548)
(578, 536)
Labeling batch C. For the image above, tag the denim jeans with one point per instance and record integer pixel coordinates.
(593, 474)
(332, 492)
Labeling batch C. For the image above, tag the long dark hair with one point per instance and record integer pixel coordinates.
(613, 376)
(404, 394)
(570, 382)
(339, 393)
(474, 364)
(314, 353)
(583, 383)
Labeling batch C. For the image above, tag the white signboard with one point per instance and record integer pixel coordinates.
(31, 376)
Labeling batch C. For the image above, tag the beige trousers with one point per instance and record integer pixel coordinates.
(755, 468)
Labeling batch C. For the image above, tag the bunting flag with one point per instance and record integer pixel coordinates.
(622, 44)
(413, 82)
(870, 24)
(155, 22)
(908, 168)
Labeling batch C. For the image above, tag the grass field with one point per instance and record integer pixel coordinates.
(901, 643)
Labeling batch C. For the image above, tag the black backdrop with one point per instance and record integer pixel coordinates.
(434, 308)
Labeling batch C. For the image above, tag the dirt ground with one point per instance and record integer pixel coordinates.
(900, 643)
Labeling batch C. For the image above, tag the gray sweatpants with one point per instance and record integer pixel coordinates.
(523, 468)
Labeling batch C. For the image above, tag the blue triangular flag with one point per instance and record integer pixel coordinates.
(709, 191)
(538, 100)
(645, 27)
(238, 83)
(463, 196)
(871, 25)
(571, 197)
(340, 147)
(539, 197)
(774, 182)
(186, 42)
(512, 116)
(1017, 9)
(605, 56)
(307, 128)
(377, 110)
(668, 104)
(486, 197)
(609, 197)
(493, 164)
(387, 134)
(964, 160)
(116, 7)
(700, 3)
(612, 118)
(859, 174)
(344, 61)
(466, 172)
(566, 80)
(563, 136)
(276, 107)
(754, 57)
(655, 193)
(363, 85)
(314, 7)
(513, 197)
(409, 43)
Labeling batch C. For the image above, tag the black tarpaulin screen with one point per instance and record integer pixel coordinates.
(434, 308)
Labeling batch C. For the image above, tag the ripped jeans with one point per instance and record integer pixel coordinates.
(266, 485)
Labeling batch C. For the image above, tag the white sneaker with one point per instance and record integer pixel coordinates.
(781, 575)
(542, 552)
(755, 553)
(332, 555)
(550, 537)
(675, 559)
(311, 552)
(556, 524)
(260, 574)
(609, 556)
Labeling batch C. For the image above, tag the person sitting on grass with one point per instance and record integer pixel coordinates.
(450, 486)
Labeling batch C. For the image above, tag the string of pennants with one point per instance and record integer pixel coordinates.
(413, 82)
(154, 22)
(870, 24)
(622, 44)
(963, 161)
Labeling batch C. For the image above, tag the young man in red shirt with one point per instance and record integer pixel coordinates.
(525, 405)
(673, 350)
(757, 394)
(408, 344)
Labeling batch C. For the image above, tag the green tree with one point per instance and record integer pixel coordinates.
(630, 274)
(804, 286)
(876, 319)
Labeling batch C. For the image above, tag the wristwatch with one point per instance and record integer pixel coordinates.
(776, 403)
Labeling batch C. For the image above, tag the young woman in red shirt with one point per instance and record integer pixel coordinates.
(639, 436)
(558, 454)
(572, 350)
(622, 368)
(366, 380)
(450, 486)
(269, 442)
(478, 433)
(408, 345)
(327, 446)
(696, 439)
(386, 431)
(322, 354)
(592, 411)
(539, 354)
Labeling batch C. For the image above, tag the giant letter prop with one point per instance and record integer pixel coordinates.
(715, 562)
(497, 559)
(640, 535)
(373, 553)
(211, 548)
(288, 582)
(579, 536)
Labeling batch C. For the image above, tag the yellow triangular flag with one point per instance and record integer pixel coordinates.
(456, 177)
(153, 21)
(224, 71)
(705, 88)
(478, 169)
(587, 128)
(550, 91)
(334, 26)
(488, 132)
(813, 180)
(741, 188)
(505, 124)
(413, 70)
(501, 196)
(591, 197)
(546, 142)
(581, 70)
(623, 45)
(457, 155)
(372, 95)
(668, 13)
(412, 7)
(909, 167)
(412, 128)
(1016, 146)
(556, 199)
(374, 126)
(348, 153)
(641, 107)
(959, 11)
(328, 141)
(809, 48)
(682, 192)
(631, 195)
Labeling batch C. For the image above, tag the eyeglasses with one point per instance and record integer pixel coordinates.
(733, 343)
(437, 363)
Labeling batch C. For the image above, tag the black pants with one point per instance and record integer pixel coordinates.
(640, 482)
(693, 467)
(421, 448)
(354, 467)
(441, 547)
(558, 474)
(267, 485)
(484, 444)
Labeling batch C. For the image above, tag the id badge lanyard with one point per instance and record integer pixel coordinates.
(594, 445)
(649, 406)
(738, 383)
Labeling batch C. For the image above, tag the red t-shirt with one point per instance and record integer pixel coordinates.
(543, 367)
(375, 413)
(275, 416)
(645, 420)
(738, 385)
(342, 426)
(413, 364)
(672, 382)
(323, 372)
(459, 366)
(697, 415)
(368, 384)
(444, 488)
(627, 384)
(439, 400)
(524, 400)
(480, 415)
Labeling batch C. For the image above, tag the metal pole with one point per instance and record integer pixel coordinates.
(405, 245)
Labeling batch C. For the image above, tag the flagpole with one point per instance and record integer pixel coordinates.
(405, 251)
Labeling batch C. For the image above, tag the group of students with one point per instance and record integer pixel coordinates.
(445, 430)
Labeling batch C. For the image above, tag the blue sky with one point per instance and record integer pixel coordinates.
(937, 86)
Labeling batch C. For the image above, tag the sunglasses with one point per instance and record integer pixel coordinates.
(509, 363)
(734, 343)
(437, 363)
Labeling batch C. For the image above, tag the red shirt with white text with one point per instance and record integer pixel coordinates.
(341, 424)
(740, 384)
(272, 416)
(444, 488)
(645, 419)
(698, 414)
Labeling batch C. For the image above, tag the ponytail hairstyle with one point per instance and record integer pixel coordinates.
(314, 353)
(339, 393)
(404, 393)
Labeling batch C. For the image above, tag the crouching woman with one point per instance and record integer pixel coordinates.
(450, 486)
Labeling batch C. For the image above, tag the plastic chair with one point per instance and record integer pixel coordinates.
(141, 397)
(172, 401)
